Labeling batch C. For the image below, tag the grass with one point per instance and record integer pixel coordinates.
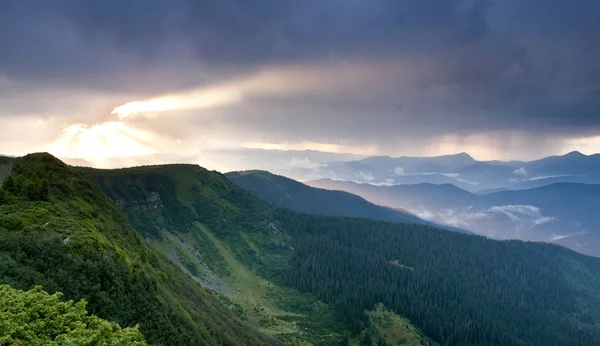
(285, 313)
(397, 330)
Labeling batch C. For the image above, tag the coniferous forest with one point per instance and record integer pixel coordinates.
(460, 290)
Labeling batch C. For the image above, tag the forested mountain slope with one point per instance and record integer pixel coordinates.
(58, 230)
(458, 289)
(287, 193)
(290, 194)
(226, 239)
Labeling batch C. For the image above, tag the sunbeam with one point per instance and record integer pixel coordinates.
(111, 139)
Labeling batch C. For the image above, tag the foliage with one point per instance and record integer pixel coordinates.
(461, 290)
(37, 318)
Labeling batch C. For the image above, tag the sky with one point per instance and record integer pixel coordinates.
(172, 80)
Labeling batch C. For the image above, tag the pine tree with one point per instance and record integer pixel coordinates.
(345, 341)
(367, 339)
(9, 185)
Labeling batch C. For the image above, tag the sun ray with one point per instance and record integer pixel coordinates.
(101, 141)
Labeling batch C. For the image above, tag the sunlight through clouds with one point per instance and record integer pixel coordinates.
(111, 139)
(200, 99)
(313, 79)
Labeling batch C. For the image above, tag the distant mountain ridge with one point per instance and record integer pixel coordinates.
(461, 170)
(565, 213)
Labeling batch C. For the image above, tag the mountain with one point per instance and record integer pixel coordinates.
(290, 194)
(401, 196)
(400, 170)
(573, 163)
(431, 275)
(298, 276)
(564, 213)
(444, 163)
(460, 170)
(226, 239)
(287, 193)
(530, 184)
(58, 230)
(296, 164)
(301, 278)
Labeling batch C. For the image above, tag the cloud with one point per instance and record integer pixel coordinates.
(305, 163)
(368, 176)
(547, 177)
(544, 219)
(520, 171)
(484, 220)
(474, 183)
(516, 212)
(556, 237)
(423, 214)
(499, 79)
(399, 171)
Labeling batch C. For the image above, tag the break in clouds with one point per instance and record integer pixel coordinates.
(499, 79)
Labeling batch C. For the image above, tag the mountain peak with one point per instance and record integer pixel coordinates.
(574, 154)
(465, 155)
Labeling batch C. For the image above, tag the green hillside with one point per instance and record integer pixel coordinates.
(226, 239)
(58, 230)
(297, 276)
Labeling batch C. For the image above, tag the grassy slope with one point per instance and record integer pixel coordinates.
(79, 243)
(397, 330)
(234, 244)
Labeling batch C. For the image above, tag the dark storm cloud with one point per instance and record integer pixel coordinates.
(528, 65)
(43, 34)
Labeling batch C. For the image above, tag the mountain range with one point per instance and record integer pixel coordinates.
(194, 259)
(460, 170)
(565, 213)
(463, 171)
(290, 194)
